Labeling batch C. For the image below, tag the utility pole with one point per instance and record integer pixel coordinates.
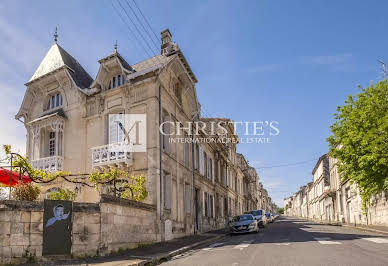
(383, 68)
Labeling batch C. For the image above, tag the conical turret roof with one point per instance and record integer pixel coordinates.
(57, 58)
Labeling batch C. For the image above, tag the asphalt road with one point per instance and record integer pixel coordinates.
(292, 242)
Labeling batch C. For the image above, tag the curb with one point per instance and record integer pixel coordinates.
(365, 229)
(169, 255)
(344, 225)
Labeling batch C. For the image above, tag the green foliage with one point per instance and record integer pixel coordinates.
(360, 140)
(280, 211)
(62, 194)
(38, 176)
(26, 191)
(7, 149)
(123, 185)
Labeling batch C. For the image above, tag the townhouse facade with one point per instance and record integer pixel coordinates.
(329, 198)
(69, 118)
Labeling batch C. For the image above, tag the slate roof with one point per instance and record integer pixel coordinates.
(121, 59)
(57, 58)
(150, 62)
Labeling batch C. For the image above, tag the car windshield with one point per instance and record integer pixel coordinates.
(245, 217)
(257, 213)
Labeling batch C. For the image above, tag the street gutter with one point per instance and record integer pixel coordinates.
(168, 255)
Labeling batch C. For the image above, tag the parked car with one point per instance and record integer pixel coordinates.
(244, 223)
(270, 217)
(259, 216)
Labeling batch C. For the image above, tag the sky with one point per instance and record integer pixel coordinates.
(292, 62)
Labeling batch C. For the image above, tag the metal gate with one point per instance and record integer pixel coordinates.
(57, 225)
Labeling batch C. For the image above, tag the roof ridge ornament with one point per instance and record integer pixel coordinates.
(115, 47)
(56, 35)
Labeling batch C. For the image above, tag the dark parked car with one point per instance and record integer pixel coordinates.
(244, 223)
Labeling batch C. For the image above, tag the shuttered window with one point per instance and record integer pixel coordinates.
(167, 191)
(188, 197)
(116, 126)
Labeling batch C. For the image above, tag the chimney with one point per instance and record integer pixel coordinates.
(167, 44)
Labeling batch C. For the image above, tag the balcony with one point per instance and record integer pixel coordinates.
(110, 156)
(50, 164)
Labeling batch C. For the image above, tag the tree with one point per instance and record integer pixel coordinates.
(26, 191)
(121, 183)
(280, 211)
(62, 194)
(360, 140)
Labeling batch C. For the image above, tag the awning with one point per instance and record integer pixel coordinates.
(5, 177)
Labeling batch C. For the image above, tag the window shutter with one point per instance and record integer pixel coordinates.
(195, 155)
(207, 168)
(201, 170)
(214, 214)
(112, 129)
(203, 203)
(167, 191)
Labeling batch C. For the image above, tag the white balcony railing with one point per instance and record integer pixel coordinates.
(50, 164)
(110, 155)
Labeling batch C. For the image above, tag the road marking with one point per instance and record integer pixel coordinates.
(377, 240)
(325, 241)
(213, 246)
(282, 244)
(244, 244)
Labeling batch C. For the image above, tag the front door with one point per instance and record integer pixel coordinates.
(57, 225)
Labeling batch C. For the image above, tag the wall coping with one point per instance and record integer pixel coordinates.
(85, 207)
(21, 205)
(126, 202)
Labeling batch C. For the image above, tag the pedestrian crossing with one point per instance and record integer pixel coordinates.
(326, 241)
(377, 240)
(320, 240)
(223, 245)
(243, 245)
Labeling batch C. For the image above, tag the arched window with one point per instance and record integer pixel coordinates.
(54, 101)
(116, 81)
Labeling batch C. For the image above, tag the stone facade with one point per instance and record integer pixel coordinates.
(331, 199)
(21, 230)
(194, 187)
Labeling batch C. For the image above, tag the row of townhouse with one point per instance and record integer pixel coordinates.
(329, 198)
(194, 186)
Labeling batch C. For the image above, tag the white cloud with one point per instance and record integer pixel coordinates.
(338, 63)
(21, 50)
(12, 131)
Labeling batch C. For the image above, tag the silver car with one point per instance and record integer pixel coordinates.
(244, 223)
(259, 215)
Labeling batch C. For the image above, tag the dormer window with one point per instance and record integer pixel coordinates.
(116, 81)
(54, 101)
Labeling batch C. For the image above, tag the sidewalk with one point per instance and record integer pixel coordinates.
(147, 255)
(372, 228)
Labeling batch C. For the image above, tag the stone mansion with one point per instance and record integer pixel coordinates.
(194, 187)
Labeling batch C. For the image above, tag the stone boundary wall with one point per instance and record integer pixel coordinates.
(97, 229)
(21, 230)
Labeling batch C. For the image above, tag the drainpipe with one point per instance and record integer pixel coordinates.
(161, 168)
(193, 189)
